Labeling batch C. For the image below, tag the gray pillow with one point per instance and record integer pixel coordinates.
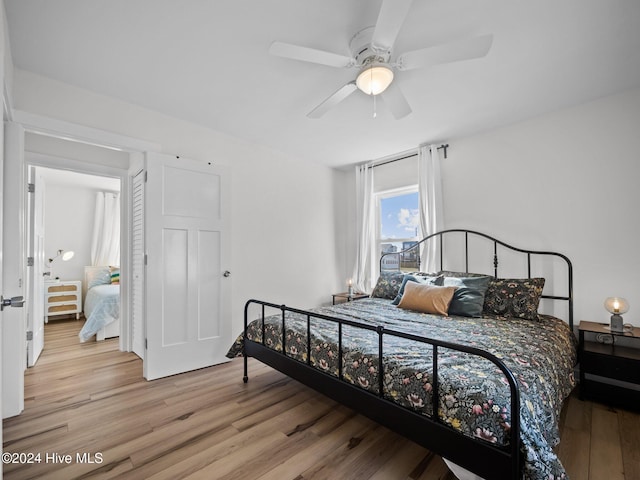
(425, 280)
(468, 299)
(450, 273)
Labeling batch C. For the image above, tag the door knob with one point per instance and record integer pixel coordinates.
(11, 302)
(226, 273)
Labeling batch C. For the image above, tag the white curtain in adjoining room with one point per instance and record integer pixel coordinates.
(105, 245)
(430, 193)
(364, 268)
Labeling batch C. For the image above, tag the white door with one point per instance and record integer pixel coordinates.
(36, 313)
(187, 286)
(14, 338)
(1, 285)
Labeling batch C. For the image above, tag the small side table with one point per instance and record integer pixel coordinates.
(345, 296)
(609, 361)
(62, 297)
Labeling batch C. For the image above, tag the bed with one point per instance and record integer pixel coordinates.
(101, 303)
(448, 382)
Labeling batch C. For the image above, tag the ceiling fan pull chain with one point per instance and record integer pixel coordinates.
(375, 113)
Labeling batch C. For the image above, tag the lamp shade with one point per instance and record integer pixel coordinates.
(375, 79)
(66, 255)
(616, 305)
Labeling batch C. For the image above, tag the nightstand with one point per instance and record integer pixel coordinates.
(62, 298)
(345, 296)
(612, 361)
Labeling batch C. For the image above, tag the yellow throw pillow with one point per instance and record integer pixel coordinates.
(115, 275)
(427, 298)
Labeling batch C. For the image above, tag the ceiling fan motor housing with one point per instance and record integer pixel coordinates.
(364, 52)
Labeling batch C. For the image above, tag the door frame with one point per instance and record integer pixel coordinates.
(41, 125)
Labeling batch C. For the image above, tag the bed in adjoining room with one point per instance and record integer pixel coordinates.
(101, 303)
(444, 358)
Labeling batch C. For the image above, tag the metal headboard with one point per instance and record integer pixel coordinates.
(496, 242)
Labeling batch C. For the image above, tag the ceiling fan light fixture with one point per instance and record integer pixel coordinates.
(375, 79)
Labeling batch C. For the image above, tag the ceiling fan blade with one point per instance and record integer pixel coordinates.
(312, 55)
(390, 19)
(338, 96)
(395, 100)
(465, 49)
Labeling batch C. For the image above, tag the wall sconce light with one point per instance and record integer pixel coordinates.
(616, 306)
(66, 256)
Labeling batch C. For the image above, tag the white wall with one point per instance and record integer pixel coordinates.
(283, 209)
(565, 181)
(69, 215)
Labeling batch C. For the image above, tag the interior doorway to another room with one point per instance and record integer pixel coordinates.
(81, 217)
(70, 203)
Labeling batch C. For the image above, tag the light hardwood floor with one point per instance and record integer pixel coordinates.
(90, 399)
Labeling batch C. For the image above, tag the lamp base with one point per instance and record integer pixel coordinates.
(616, 323)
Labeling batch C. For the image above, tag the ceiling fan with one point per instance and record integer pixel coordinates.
(371, 55)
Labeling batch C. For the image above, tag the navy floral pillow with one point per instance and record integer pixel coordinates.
(513, 297)
(388, 285)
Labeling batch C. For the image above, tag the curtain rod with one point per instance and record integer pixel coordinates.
(441, 147)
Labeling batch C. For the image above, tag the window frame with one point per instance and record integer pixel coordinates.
(384, 194)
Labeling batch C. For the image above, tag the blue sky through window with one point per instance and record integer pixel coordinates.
(400, 216)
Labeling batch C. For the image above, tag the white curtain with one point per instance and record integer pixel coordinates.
(364, 268)
(105, 246)
(430, 193)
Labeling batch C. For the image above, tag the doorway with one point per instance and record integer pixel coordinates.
(66, 237)
(67, 180)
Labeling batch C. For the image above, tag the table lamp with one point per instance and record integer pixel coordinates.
(616, 306)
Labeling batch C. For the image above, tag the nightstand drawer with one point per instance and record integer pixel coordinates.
(616, 367)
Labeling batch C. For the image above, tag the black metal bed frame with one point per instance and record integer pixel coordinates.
(484, 459)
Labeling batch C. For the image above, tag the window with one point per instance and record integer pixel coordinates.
(398, 216)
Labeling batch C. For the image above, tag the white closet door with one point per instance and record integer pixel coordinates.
(187, 206)
(137, 265)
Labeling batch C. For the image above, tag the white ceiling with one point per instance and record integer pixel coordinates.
(207, 62)
(69, 179)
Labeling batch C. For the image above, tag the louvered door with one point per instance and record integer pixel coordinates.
(137, 261)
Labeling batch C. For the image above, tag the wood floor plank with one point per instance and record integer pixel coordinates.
(91, 398)
(606, 452)
(630, 443)
(575, 435)
(317, 454)
(407, 457)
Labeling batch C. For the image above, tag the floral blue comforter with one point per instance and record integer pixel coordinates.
(474, 394)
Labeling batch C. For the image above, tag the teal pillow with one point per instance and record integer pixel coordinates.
(468, 299)
(425, 280)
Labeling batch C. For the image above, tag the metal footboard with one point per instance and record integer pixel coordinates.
(481, 457)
